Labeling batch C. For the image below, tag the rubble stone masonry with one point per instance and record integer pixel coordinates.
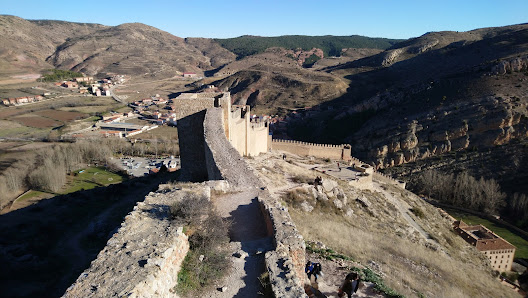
(143, 258)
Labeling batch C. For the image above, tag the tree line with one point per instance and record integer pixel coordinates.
(462, 190)
(46, 169)
(59, 75)
(331, 45)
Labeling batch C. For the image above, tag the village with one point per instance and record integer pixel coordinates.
(84, 85)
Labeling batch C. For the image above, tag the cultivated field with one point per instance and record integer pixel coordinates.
(63, 116)
(36, 121)
(162, 132)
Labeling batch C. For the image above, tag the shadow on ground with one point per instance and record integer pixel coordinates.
(46, 246)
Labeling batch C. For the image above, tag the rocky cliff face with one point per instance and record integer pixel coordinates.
(487, 122)
(439, 93)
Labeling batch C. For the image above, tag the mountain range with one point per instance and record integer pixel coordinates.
(435, 97)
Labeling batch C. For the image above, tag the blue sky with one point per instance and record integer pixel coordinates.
(226, 18)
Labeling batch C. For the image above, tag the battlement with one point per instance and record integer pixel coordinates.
(258, 124)
(339, 152)
(310, 144)
(388, 179)
(247, 136)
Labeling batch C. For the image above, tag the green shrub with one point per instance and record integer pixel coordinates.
(327, 253)
(367, 274)
(59, 75)
(418, 212)
(208, 238)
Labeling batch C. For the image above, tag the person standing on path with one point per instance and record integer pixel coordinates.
(350, 285)
(308, 269)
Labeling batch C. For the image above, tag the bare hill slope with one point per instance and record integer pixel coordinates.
(442, 92)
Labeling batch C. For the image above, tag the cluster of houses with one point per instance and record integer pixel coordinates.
(88, 85)
(85, 85)
(22, 100)
(155, 103)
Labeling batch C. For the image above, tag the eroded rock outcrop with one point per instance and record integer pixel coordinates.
(495, 122)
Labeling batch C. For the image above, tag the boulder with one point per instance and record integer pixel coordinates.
(338, 203)
(329, 185)
(306, 207)
(349, 212)
(363, 201)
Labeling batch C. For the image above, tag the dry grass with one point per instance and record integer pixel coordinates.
(444, 266)
(408, 267)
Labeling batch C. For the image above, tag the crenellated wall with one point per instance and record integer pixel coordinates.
(342, 152)
(389, 180)
(286, 263)
(247, 135)
(144, 257)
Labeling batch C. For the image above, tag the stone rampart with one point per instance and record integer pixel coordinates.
(143, 258)
(192, 146)
(286, 263)
(224, 156)
(186, 107)
(340, 152)
(387, 179)
(374, 175)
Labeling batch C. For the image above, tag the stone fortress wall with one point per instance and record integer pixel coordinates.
(339, 152)
(143, 258)
(335, 152)
(248, 136)
(285, 263)
(130, 265)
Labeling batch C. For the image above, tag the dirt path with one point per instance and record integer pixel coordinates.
(405, 213)
(249, 242)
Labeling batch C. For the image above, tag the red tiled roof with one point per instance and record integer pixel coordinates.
(493, 244)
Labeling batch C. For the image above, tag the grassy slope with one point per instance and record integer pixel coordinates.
(331, 45)
(445, 266)
(91, 178)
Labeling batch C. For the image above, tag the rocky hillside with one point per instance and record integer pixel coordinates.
(380, 228)
(129, 49)
(439, 93)
(133, 49)
(25, 45)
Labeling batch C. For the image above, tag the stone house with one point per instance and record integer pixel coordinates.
(70, 85)
(499, 251)
(189, 74)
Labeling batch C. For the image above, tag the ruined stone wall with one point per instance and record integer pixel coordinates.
(224, 156)
(143, 258)
(388, 180)
(192, 147)
(310, 149)
(286, 263)
(185, 107)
